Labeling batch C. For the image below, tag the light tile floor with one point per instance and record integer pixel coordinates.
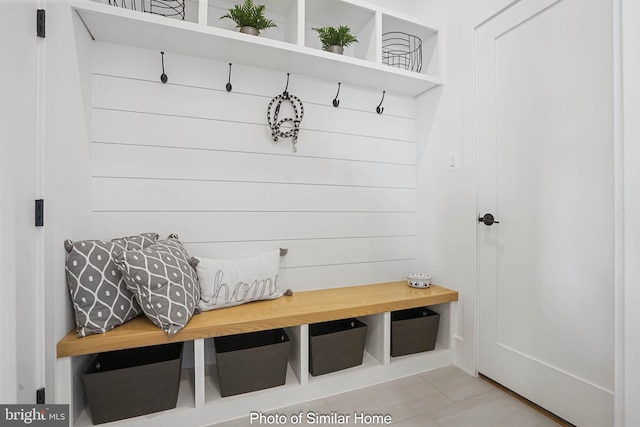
(445, 397)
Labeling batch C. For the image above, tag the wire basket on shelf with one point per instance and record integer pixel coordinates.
(168, 8)
(129, 4)
(402, 50)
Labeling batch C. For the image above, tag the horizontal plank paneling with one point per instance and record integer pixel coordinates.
(143, 64)
(135, 95)
(121, 194)
(170, 131)
(336, 276)
(305, 253)
(252, 226)
(189, 158)
(114, 160)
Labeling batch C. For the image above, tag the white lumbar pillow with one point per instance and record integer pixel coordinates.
(229, 282)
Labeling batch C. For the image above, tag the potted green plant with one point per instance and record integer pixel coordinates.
(249, 18)
(335, 39)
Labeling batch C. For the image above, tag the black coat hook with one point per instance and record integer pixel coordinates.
(286, 89)
(163, 76)
(336, 101)
(228, 86)
(380, 108)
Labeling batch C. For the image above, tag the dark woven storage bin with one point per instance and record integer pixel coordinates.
(413, 331)
(253, 361)
(336, 345)
(128, 383)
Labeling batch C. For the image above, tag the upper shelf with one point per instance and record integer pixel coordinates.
(145, 30)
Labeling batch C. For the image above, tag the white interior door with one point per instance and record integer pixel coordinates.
(545, 143)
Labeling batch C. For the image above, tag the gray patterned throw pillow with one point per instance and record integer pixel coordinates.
(101, 300)
(164, 281)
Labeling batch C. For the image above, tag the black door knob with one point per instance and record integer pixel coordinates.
(488, 219)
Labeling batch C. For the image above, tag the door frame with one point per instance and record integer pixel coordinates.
(468, 357)
(8, 134)
(22, 243)
(626, 110)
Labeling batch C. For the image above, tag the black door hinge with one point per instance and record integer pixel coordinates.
(40, 22)
(39, 212)
(40, 397)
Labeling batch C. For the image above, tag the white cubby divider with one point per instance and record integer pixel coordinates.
(299, 357)
(199, 372)
(292, 47)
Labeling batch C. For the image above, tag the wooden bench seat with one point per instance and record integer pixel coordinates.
(304, 307)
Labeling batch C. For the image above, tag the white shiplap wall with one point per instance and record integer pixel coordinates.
(187, 157)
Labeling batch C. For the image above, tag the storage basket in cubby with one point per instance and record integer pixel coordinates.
(413, 331)
(128, 383)
(252, 361)
(336, 345)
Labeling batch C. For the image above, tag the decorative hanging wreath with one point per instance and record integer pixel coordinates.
(276, 125)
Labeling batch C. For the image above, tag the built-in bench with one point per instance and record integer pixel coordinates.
(199, 399)
(302, 308)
